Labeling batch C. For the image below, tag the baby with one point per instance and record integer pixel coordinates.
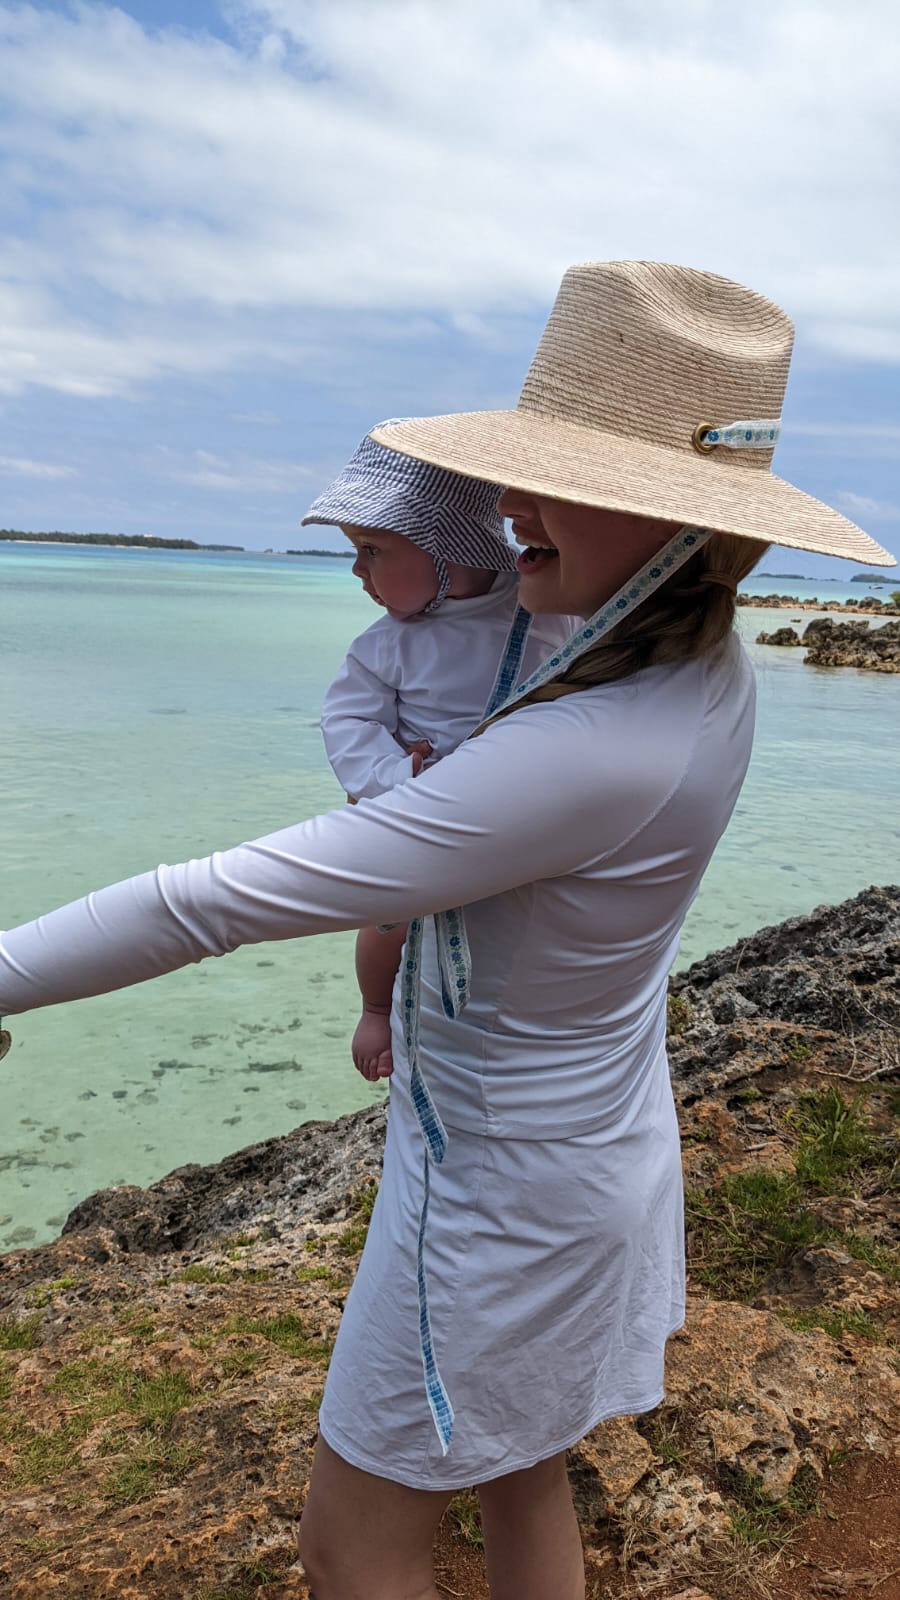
(430, 549)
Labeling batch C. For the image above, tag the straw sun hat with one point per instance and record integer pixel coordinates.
(655, 390)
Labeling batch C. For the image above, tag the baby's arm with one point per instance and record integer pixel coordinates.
(377, 959)
(359, 726)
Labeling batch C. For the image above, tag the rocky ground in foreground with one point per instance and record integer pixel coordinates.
(162, 1361)
(843, 644)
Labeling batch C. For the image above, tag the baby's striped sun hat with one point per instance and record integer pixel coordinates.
(451, 516)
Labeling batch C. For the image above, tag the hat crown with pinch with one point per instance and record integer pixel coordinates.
(653, 352)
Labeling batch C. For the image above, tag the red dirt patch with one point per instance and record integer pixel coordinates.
(851, 1550)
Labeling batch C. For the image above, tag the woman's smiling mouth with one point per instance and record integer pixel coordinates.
(536, 553)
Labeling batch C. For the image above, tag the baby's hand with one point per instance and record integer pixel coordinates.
(421, 752)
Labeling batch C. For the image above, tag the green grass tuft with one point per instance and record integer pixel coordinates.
(464, 1512)
(678, 1015)
(43, 1457)
(797, 1050)
(835, 1322)
(240, 1363)
(756, 1517)
(102, 1388)
(43, 1294)
(752, 1222)
(835, 1140)
(19, 1334)
(354, 1237)
(155, 1463)
(287, 1332)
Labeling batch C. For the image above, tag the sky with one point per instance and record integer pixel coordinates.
(234, 234)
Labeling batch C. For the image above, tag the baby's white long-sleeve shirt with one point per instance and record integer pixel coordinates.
(426, 678)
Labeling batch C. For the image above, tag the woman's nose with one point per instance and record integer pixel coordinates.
(511, 501)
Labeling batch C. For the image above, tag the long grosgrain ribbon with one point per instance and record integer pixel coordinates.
(454, 959)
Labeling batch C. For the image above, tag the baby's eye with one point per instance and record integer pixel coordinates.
(370, 550)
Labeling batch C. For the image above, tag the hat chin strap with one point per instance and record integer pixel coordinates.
(443, 589)
(655, 572)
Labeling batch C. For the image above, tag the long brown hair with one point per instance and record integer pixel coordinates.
(686, 616)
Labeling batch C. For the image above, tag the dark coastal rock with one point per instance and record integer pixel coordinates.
(810, 981)
(781, 636)
(844, 644)
(853, 644)
(280, 1183)
(784, 602)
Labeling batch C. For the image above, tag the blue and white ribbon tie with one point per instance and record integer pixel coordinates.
(454, 960)
(757, 435)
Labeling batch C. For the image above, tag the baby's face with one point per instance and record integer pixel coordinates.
(394, 572)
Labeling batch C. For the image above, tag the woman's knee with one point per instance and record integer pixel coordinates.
(362, 1537)
(312, 1551)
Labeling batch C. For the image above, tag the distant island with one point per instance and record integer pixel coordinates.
(143, 541)
(802, 577)
(342, 555)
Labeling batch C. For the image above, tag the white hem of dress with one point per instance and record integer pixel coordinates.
(356, 1458)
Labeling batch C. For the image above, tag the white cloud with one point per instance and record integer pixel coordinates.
(201, 200)
(23, 467)
(861, 505)
(875, 441)
(210, 471)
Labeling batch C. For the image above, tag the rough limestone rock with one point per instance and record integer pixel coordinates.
(853, 644)
(845, 644)
(781, 636)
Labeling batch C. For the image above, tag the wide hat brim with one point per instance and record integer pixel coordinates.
(545, 455)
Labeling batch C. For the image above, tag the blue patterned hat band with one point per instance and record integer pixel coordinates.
(761, 433)
(451, 517)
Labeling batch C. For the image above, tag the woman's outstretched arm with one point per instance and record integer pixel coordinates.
(533, 797)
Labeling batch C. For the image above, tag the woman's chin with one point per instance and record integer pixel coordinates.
(537, 591)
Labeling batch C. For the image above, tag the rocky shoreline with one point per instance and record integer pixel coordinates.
(162, 1360)
(843, 644)
(790, 602)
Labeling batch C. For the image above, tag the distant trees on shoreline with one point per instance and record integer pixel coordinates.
(146, 541)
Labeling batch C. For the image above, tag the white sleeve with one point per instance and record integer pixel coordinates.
(519, 803)
(359, 720)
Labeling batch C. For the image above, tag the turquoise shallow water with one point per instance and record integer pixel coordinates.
(156, 705)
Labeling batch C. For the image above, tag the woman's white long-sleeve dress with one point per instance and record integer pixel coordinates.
(575, 834)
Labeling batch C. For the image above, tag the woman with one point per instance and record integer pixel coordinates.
(532, 1267)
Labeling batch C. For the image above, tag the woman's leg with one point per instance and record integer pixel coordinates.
(365, 1538)
(532, 1544)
